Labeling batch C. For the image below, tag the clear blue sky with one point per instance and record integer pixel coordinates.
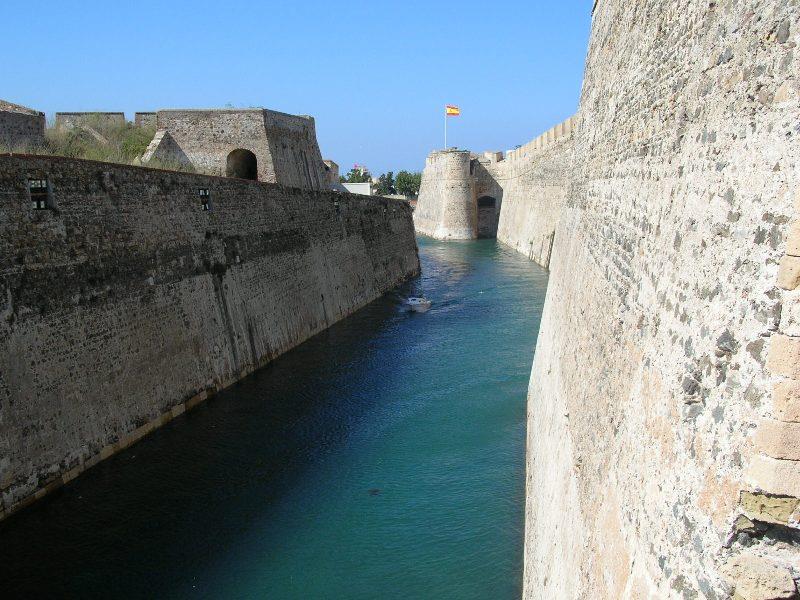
(376, 75)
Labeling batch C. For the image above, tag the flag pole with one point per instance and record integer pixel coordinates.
(445, 129)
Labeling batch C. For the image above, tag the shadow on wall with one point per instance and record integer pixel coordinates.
(242, 164)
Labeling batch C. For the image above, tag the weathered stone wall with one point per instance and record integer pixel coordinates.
(663, 455)
(535, 179)
(21, 128)
(145, 119)
(446, 207)
(125, 302)
(285, 146)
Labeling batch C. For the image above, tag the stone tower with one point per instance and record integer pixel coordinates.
(447, 207)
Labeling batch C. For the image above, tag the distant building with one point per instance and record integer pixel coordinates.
(21, 128)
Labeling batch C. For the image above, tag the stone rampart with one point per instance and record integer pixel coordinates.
(663, 411)
(284, 147)
(130, 294)
(535, 179)
(21, 128)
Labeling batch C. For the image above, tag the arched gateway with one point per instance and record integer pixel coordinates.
(487, 217)
(242, 164)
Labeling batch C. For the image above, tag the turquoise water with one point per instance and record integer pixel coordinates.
(383, 458)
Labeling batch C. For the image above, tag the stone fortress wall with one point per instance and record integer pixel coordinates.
(516, 198)
(145, 119)
(131, 294)
(664, 407)
(20, 127)
(282, 148)
(534, 179)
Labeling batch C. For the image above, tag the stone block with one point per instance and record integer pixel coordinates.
(786, 401)
(793, 239)
(785, 93)
(789, 272)
(784, 356)
(770, 509)
(758, 578)
(774, 476)
(790, 314)
(778, 439)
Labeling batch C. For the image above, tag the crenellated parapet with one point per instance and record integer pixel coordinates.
(564, 131)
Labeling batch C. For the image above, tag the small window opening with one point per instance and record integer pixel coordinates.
(336, 206)
(205, 198)
(38, 190)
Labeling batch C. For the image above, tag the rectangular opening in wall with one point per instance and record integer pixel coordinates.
(38, 191)
(205, 198)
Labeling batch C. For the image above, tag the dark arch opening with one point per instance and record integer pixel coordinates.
(242, 164)
(487, 217)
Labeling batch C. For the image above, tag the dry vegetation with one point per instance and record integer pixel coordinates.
(96, 139)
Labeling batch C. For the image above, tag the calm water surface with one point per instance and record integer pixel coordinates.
(382, 459)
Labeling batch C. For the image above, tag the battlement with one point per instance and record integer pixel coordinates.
(564, 130)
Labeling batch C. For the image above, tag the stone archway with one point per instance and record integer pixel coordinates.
(242, 164)
(487, 217)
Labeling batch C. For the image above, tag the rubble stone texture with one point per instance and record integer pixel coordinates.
(21, 128)
(285, 146)
(669, 335)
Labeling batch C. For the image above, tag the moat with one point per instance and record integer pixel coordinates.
(383, 458)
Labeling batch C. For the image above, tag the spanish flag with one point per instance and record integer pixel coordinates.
(452, 111)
